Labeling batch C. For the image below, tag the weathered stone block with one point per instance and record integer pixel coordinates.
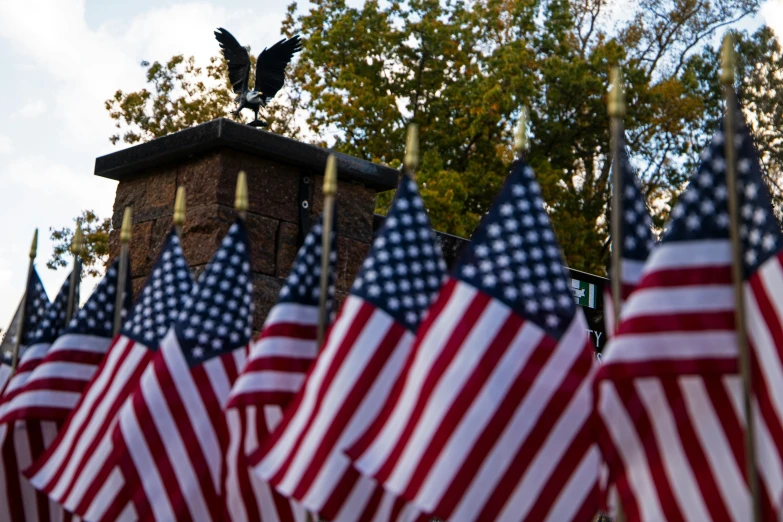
(350, 255)
(141, 249)
(130, 193)
(204, 228)
(262, 232)
(355, 206)
(287, 248)
(266, 290)
(200, 176)
(159, 196)
(273, 188)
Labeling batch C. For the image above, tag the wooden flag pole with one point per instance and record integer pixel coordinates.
(122, 275)
(616, 115)
(76, 249)
(521, 140)
(179, 210)
(241, 200)
(411, 161)
(616, 109)
(729, 126)
(23, 309)
(330, 191)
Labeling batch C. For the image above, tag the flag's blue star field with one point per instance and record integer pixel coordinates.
(702, 211)
(513, 256)
(303, 284)
(218, 314)
(405, 267)
(162, 297)
(97, 315)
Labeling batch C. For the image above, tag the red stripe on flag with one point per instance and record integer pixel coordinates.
(363, 443)
(456, 338)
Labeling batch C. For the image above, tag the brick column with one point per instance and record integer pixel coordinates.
(206, 160)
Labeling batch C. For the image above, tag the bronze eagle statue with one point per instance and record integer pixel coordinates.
(270, 71)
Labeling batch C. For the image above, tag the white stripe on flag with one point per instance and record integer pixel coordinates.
(681, 255)
(195, 408)
(273, 460)
(292, 313)
(679, 472)
(678, 300)
(631, 452)
(481, 411)
(441, 329)
(717, 448)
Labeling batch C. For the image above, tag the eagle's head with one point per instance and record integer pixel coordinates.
(254, 97)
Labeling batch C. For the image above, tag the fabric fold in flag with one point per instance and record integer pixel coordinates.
(669, 396)
(19, 502)
(74, 471)
(491, 417)
(36, 302)
(51, 390)
(637, 238)
(169, 437)
(275, 370)
(352, 376)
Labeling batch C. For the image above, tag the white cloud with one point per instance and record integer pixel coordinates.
(6, 147)
(772, 12)
(32, 109)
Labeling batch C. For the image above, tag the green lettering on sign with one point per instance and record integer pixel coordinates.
(584, 293)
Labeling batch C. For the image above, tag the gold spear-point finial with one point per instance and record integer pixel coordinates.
(727, 60)
(241, 202)
(127, 223)
(34, 245)
(617, 94)
(411, 162)
(521, 142)
(330, 176)
(78, 240)
(179, 207)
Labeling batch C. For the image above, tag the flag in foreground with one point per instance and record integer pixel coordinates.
(19, 502)
(170, 437)
(360, 361)
(491, 419)
(669, 395)
(636, 238)
(74, 471)
(36, 302)
(275, 370)
(54, 387)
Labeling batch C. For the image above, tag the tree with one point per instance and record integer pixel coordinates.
(462, 70)
(96, 242)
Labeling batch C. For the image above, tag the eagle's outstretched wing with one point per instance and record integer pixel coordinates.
(270, 68)
(237, 58)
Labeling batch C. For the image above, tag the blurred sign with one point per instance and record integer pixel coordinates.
(584, 293)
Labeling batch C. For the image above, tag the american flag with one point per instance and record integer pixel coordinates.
(52, 390)
(491, 419)
(74, 471)
(362, 356)
(21, 441)
(637, 237)
(170, 436)
(669, 396)
(35, 308)
(275, 370)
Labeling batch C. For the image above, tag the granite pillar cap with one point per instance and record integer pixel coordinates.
(224, 133)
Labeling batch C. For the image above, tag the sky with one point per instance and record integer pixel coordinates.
(61, 59)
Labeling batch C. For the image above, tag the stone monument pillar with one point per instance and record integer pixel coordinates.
(284, 183)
